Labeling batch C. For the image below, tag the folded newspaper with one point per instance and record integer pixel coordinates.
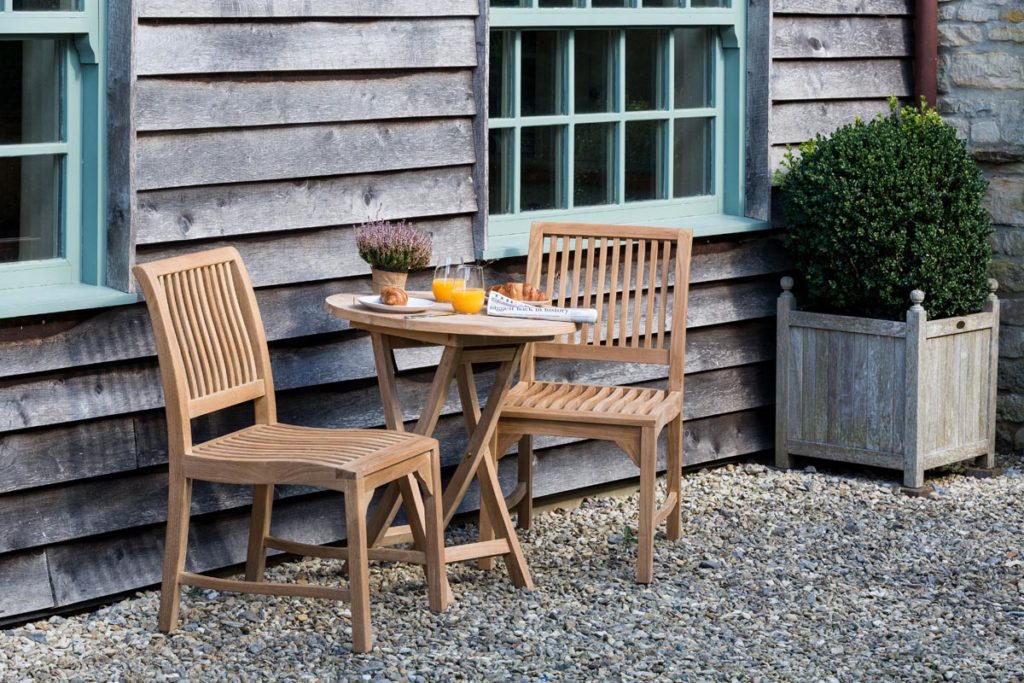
(501, 305)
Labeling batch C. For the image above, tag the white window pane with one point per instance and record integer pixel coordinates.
(693, 157)
(595, 69)
(594, 153)
(693, 68)
(541, 156)
(643, 70)
(30, 87)
(30, 208)
(499, 167)
(644, 154)
(541, 73)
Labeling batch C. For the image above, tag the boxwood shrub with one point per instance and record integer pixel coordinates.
(881, 208)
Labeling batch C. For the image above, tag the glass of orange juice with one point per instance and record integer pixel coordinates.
(444, 280)
(468, 290)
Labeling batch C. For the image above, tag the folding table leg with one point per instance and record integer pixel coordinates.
(490, 496)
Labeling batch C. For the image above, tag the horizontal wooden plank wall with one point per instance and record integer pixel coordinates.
(835, 60)
(281, 164)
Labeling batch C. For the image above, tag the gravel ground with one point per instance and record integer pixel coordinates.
(803, 575)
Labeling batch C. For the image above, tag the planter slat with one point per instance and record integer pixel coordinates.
(845, 323)
(909, 396)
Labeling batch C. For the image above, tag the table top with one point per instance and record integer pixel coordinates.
(434, 322)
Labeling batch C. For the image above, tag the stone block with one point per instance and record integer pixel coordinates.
(1014, 15)
(970, 11)
(1007, 241)
(1005, 200)
(987, 70)
(1011, 341)
(1013, 34)
(1010, 408)
(1009, 270)
(1011, 376)
(958, 35)
(984, 133)
(1011, 312)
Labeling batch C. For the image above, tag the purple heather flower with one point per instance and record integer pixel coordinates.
(393, 246)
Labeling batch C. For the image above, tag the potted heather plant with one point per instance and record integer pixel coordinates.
(890, 360)
(392, 249)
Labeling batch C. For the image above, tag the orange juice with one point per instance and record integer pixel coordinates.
(443, 288)
(467, 300)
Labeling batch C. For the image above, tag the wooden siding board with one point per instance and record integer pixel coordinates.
(239, 210)
(66, 452)
(845, 37)
(230, 9)
(231, 156)
(321, 254)
(758, 110)
(841, 79)
(121, 129)
(294, 311)
(174, 103)
(26, 583)
(841, 7)
(795, 122)
(190, 48)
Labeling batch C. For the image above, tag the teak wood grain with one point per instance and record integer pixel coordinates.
(638, 280)
(213, 355)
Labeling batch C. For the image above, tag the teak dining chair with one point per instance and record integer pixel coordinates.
(638, 280)
(213, 355)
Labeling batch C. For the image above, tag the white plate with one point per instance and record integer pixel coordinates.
(413, 306)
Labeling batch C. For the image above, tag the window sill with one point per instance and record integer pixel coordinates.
(15, 303)
(504, 246)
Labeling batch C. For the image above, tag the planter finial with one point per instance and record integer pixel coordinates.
(787, 283)
(993, 285)
(917, 298)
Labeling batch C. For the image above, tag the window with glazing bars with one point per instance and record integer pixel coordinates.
(610, 110)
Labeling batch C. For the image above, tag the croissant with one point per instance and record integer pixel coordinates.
(393, 296)
(520, 291)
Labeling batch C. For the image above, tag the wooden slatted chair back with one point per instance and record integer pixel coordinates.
(636, 277)
(209, 336)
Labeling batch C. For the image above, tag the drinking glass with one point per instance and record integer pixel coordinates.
(444, 279)
(468, 290)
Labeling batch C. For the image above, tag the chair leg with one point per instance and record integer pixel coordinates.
(674, 464)
(356, 503)
(259, 529)
(524, 511)
(438, 591)
(179, 503)
(648, 472)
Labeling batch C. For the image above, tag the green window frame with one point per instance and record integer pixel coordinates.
(73, 278)
(526, 33)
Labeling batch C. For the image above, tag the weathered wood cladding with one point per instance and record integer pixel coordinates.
(252, 131)
(833, 61)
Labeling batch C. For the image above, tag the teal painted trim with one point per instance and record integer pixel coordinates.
(94, 160)
(733, 147)
(638, 212)
(57, 298)
(505, 246)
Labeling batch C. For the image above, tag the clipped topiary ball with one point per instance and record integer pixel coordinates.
(881, 208)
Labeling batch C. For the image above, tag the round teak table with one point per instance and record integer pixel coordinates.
(467, 339)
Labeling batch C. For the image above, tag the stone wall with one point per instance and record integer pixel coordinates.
(981, 92)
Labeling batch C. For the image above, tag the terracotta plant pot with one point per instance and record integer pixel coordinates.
(388, 278)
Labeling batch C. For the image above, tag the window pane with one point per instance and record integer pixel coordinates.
(499, 168)
(644, 154)
(557, 3)
(693, 68)
(541, 158)
(709, 3)
(506, 3)
(500, 87)
(661, 3)
(595, 54)
(643, 70)
(594, 158)
(30, 80)
(541, 86)
(30, 208)
(609, 3)
(693, 157)
(46, 5)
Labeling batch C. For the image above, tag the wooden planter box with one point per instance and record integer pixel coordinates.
(902, 395)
